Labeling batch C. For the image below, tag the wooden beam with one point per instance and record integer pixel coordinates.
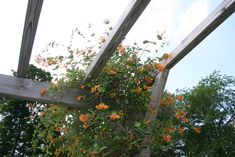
(26, 89)
(30, 27)
(127, 20)
(218, 16)
(153, 107)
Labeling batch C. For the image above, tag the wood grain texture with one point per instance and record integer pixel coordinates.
(26, 89)
(153, 107)
(127, 20)
(30, 27)
(218, 16)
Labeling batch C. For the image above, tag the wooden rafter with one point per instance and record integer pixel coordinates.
(30, 27)
(26, 89)
(127, 20)
(218, 16)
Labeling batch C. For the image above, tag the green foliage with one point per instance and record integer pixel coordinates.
(213, 109)
(196, 122)
(38, 74)
(115, 86)
(117, 102)
(18, 121)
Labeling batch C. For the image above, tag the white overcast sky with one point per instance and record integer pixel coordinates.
(177, 17)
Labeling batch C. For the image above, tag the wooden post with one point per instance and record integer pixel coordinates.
(30, 27)
(152, 109)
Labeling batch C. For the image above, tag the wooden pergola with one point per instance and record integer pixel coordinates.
(21, 88)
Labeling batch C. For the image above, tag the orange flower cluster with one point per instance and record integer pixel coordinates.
(82, 86)
(79, 98)
(146, 87)
(85, 126)
(61, 129)
(58, 152)
(141, 69)
(149, 67)
(121, 49)
(180, 97)
(29, 105)
(43, 91)
(51, 140)
(148, 79)
(167, 138)
(94, 154)
(84, 118)
(137, 90)
(102, 39)
(180, 114)
(111, 72)
(181, 130)
(53, 108)
(160, 67)
(168, 130)
(95, 89)
(197, 130)
(42, 114)
(188, 105)
(184, 119)
(101, 106)
(169, 100)
(115, 116)
(51, 62)
(165, 56)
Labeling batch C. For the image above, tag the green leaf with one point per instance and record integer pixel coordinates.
(103, 148)
(137, 124)
(145, 41)
(101, 89)
(57, 66)
(150, 42)
(159, 37)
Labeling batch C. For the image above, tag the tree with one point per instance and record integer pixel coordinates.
(212, 117)
(19, 119)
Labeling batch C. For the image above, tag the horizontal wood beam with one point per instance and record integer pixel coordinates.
(218, 16)
(30, 27)
(26, 89)
(127, 20)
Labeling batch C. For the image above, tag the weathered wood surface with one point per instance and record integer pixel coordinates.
(218, 16)
(26, 89)
(127, 20)
(152, 109)
(30, 27)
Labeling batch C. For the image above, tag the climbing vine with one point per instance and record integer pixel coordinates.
(113, 123)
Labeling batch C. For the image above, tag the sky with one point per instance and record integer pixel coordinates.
(177, 17)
